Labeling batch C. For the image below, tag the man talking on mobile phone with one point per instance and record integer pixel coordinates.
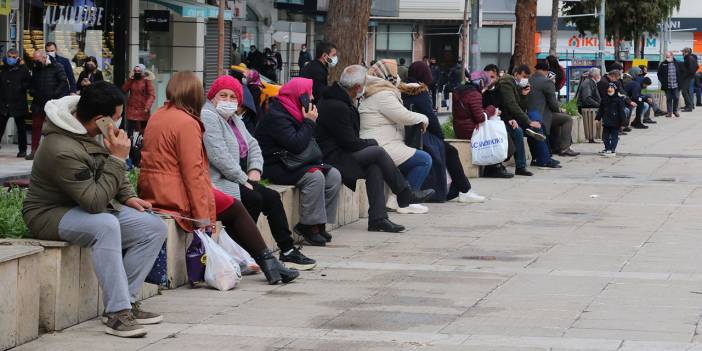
(80, 193)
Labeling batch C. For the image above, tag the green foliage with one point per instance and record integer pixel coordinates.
(571, 107)
(133, 177)
(447, 128)
(625, 19)
(11, 221)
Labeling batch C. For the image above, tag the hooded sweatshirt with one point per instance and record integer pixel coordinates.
(71, 169)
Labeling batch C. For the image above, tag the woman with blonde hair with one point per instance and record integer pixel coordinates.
(175, 177)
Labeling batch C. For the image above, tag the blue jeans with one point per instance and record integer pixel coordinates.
(416, 169)
(672, 100)
(539, 149)
(610, 138)
(517, 135)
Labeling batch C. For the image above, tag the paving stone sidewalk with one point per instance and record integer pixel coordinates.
(601, 255)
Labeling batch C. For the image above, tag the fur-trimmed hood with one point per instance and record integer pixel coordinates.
(413, 88)
(148, 75)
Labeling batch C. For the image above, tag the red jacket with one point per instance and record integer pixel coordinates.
(141, 96)
(468, 110)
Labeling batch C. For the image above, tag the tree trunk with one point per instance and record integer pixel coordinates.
(616, 41)
(347, 28)
(220, 39)
(525, 30)
(637, 44)
(554, 29)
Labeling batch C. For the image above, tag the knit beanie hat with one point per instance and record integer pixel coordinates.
(226, 82)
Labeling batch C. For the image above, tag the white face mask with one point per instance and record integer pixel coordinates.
(333, 61)
(227, 109)
(360, 94)
(52, 54)
(118, 123)
(523, 82)
(669, 59)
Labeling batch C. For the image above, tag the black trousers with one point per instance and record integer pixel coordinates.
(379, 169)
(685, 89)
(242, 229)
(459, 181)
(267, 201)
(132, 126)
(21, 130)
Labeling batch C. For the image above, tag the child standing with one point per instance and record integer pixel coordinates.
(612, 116)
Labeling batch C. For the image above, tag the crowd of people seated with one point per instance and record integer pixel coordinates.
(205, 156)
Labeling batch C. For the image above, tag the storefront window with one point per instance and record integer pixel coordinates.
(496, 46)
(394, 41)
(80, 29)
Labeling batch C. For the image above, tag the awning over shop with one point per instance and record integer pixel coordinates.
(191, 8)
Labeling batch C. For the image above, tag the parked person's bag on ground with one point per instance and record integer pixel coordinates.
(221, 270)
(159, 273)
(245, 261)
(195, 261)
(489, 143)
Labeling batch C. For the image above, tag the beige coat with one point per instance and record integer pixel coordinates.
(383, 118)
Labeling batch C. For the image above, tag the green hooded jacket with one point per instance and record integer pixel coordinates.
(512, 103)
(71, 169)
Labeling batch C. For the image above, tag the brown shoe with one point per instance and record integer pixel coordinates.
(142, 317)
(124, 325)
(569, 152)
(669, 115)
(677, 114)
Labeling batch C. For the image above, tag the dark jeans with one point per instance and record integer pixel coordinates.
(539, 150)
(561, 131)
(698, 92)
(416, 169)
(517, 138)
(672, 100)
(379, 170)
(267, 201)
(610, 138)
(21, 131)
(133, 126)
(38, 118)
(242, 229)
(685, 88)
(459, 181)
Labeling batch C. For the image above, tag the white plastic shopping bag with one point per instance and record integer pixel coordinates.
(245, 261)
(221, 270)
(489, 143)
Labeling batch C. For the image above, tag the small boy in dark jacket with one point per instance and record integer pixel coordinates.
(612, 116)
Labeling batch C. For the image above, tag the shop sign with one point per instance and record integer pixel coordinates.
(89, 16)
(157, 20)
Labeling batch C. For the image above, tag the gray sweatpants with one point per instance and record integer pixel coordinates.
(108, 234)
(319, 196)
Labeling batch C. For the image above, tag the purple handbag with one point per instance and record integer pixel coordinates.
(195, 260)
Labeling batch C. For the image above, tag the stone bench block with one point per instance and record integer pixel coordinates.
(466, 157)
(362, 199)
(19, 295)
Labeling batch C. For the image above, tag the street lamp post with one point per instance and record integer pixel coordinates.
(474, 28)
(602, 36)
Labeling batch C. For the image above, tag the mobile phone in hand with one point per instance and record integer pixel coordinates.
(305, 102)
(103, 124)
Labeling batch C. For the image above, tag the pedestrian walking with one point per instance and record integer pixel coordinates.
(318, 70)
(48, 82)
(141, 92)
(669, 74)
(15, 79)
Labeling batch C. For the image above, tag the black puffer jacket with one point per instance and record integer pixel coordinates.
(15, 81)
(48, 82)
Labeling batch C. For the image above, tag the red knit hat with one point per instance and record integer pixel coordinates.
(226, 82)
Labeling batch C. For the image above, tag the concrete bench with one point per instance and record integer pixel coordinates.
(466, 157)
(69, 291)
(19, 295)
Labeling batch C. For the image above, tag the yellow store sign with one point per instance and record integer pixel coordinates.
(4, 7)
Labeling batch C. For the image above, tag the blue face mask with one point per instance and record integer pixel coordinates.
(11, 60)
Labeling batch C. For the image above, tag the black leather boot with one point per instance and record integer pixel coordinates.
(273, 269)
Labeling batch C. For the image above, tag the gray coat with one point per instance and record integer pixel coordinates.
(223, 151)
(589, 95)
(542, 99)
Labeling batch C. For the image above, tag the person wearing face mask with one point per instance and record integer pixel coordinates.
(670, 75)
(384, 118)
(90, 74)
(236, 165)
(435, 77)
(338, 130)
(513, 92)
(318, 70)
(612, 117)
(48, 82)
(15, 79)
(141, 92)
(291, 157)
(304, 57)
(65, 63)
(80, 193)
(278, 58)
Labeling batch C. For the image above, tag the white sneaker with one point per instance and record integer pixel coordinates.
(470, 197)
(609, 153)
(391, 204)
(413, 209)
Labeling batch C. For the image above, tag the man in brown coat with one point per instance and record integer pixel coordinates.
(80, 193)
